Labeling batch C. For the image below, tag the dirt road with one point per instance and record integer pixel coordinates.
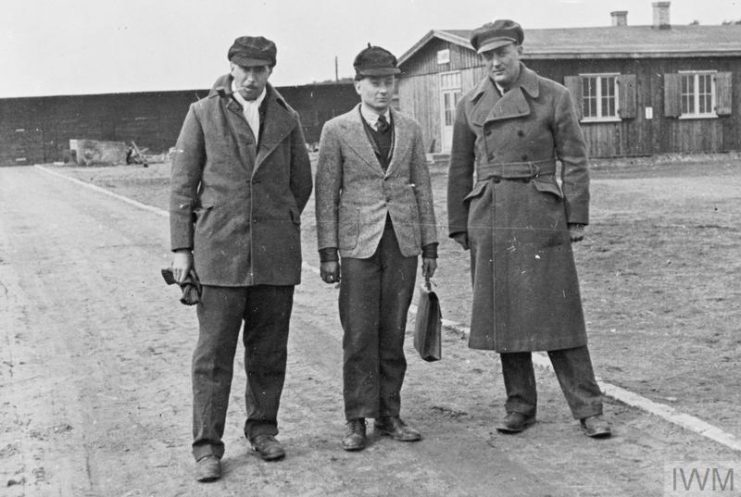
(95, 388)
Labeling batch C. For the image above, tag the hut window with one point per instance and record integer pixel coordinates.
(443, 56)
(697, 93)
(599, 97)
(450, 91)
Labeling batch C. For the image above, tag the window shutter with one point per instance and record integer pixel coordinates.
(723, 100)
(672, 102)
(627, 96)
(573, 83)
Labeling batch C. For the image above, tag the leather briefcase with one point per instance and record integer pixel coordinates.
(428, 327)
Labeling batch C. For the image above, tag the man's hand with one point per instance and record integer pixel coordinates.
(462, 239)
(330, 271)
(182, 262)
(429, 266)
(576, 232)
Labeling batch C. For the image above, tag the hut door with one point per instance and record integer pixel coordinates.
(450, 93)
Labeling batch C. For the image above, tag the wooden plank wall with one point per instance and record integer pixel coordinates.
(419, 86)
(630, 137)
(151, 119)
(316, 104)
(419, 97)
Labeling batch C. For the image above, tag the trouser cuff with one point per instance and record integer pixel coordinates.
(202, 450)
(251, 431)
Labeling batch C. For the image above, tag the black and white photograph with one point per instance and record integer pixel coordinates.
(391, 248)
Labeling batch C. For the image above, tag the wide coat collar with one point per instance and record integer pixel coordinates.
(355, 136)
(279, 122)
(489, 106)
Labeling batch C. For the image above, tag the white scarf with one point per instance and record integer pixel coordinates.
(250, 109)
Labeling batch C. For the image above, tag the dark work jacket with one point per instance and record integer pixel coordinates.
(235, 202)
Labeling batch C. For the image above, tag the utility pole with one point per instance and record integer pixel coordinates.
(336, 71)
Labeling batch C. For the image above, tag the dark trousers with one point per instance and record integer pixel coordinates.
(573, 369)
(265, 311)
(375, 295)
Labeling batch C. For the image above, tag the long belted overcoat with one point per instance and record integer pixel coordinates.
(235, 202)
(525, 286)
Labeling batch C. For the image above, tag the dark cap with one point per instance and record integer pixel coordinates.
(496, 34)
(252, 51)
(375, 61)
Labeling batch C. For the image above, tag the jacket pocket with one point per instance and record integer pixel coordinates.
(478, 190)
(550, 187)
(201, 210)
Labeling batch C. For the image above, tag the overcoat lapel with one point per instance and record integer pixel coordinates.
(490, 106)
(278, 125)
(243, 137)
(511, 105)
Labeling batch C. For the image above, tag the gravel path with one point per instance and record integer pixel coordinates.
(95, 387)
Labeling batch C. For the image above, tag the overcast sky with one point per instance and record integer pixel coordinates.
(65, 47)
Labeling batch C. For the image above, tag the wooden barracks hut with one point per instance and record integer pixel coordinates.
(639, 90)
(36, 130)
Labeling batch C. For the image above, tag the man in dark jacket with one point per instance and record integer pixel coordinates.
(240, 180)
(519, 224)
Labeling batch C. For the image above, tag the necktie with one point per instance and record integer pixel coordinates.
(382, 125)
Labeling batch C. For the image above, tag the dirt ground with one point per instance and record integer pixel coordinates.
(94, 361)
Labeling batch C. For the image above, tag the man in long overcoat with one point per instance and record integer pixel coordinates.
(240, 180)
(505, 204)
(374, 218)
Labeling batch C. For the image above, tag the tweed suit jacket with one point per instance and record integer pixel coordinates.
(354, 194)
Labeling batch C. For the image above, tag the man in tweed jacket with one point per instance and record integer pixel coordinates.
(374, 208)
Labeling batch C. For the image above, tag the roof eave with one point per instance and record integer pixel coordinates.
(435, 33)
(551, 55)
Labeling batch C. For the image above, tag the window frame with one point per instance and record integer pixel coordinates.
(713, 113)
(599, 97)
(454, 87)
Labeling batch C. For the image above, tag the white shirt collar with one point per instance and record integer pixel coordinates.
(244, 101)
(371, 115)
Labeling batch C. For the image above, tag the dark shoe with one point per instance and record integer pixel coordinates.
(514, 422)
(596, 427)
(394, 427)
(208, 468)
(268, 447)
(355, 435)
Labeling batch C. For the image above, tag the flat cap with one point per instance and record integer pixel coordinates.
(375, 61)
(496, 34)
(252, 51)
